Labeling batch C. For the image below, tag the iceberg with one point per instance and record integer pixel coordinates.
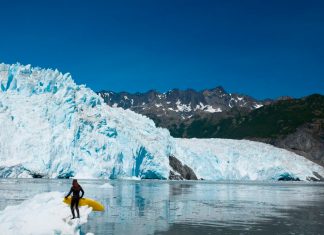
(54, 128)
(32, 216)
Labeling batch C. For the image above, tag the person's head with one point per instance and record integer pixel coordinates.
(75, 183)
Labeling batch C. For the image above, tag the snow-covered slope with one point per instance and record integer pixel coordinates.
(51, 127)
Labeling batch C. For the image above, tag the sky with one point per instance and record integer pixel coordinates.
(265, 49)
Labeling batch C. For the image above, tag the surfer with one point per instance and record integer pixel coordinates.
(75, 189)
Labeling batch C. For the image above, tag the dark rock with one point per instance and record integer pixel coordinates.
(307, 141)
(312, 179)
(173, 176)
(180, 171)
(284, 98)
(319, 177)
(35, 175)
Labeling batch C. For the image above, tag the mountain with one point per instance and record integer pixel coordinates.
(53, 128)
(175, 107)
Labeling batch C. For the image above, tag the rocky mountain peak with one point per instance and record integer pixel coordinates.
(180, 104)
(219, 90)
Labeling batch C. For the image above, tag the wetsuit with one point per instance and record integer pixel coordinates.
(75, 199)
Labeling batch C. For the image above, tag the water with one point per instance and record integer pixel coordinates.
(163, 207)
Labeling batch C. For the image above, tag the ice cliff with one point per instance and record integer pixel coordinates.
(51, 127)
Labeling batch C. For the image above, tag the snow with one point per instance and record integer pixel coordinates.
(210, 109)
(256, 106)
(51, 127)
(43, 214)
(197, 107)
(207, 108)
(229, 103)
(158, 105)
(183, 107)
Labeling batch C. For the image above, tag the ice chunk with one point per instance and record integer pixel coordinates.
(43, 214)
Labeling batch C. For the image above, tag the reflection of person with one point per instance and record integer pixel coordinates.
(75, 189)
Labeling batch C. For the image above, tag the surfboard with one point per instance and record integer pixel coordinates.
(96, 206)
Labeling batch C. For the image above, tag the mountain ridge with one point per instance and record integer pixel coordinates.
(169, 109)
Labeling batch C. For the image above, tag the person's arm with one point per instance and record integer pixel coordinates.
(82, 192)
(69, 193)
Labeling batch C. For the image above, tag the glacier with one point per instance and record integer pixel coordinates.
(226, 159)
(54, 128)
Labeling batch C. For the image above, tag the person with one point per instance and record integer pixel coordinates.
(75, 189)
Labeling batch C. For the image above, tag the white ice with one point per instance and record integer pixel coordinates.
(106, 186)
(225, 159)
(43, 214)
(52, 127)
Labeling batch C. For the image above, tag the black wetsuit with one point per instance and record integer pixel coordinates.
(75, 199)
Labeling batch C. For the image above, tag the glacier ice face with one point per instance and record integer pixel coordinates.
(51, 127)
(226, 159)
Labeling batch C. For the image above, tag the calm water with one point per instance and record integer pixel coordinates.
(162, 207)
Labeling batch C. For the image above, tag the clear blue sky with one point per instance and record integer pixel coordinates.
(260, 48)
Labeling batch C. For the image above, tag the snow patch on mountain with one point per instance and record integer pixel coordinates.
(207, 108)
(183, 107)
(257, 106)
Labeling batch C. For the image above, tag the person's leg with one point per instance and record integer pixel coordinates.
(72, 207)
(77, 206)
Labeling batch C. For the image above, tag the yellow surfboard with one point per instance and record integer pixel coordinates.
(96, 206)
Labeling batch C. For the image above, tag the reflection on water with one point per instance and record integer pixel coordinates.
(162, 207)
